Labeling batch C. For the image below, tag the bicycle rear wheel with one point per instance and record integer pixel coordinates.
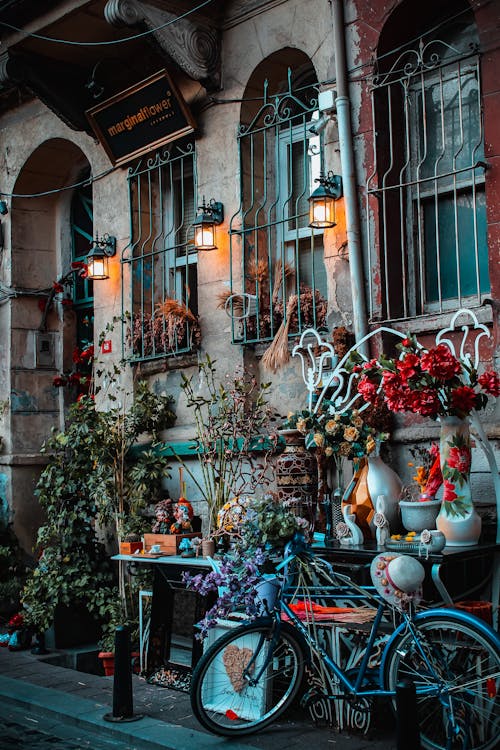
(223, 698)
(457, 684)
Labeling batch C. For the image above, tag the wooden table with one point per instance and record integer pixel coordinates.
(167, 582)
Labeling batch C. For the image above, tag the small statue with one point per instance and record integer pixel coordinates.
(182, 523)
(164, 515)
(348, 532)
(382, 530)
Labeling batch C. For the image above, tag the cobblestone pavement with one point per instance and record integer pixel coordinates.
(20, 730)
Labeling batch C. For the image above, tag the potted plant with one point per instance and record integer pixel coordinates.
(234, 437)
(418, 504)
(94, 476)
(259, 533)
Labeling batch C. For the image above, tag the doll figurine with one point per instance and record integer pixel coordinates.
(182, 523)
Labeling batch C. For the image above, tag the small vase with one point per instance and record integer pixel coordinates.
(457, 519)
(382, 480)
(207, 547)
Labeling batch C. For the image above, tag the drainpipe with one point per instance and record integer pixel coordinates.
(342, 104)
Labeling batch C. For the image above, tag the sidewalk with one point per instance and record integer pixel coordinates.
(71, 697)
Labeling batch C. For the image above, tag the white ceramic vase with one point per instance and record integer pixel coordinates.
(382, 480)
(457, 519)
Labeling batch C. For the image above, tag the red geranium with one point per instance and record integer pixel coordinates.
(463, 399)
(368, 389)
(440, 363)
(490, 382)
(409, 366)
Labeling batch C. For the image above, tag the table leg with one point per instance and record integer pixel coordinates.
(438, 583)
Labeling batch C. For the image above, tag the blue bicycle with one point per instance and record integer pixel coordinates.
(253, 673)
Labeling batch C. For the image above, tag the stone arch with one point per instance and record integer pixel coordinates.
(40, 241)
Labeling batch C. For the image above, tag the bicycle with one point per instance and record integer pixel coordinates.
(253, 673)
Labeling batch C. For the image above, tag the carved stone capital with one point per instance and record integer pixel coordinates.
(195, 49)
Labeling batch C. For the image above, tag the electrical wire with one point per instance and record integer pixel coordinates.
(87, 181)
(132, 38)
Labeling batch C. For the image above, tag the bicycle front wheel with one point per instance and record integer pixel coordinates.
(228, 697)
(456, 678)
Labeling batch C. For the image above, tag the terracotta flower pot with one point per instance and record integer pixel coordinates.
(108, 662)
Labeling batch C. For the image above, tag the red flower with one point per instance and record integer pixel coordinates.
(16, 621)
(368, 389)
(490, 382)
(440, 363)
(81, 267)
(75, 378)
(87, 353)
(67, 302)
(459, 458)
(409, 366)
(57, 287)
(449, 494)
(425, 402)
(463, 399)
(59, 381)
(77, 357)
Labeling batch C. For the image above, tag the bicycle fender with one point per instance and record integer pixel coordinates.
(460, 616)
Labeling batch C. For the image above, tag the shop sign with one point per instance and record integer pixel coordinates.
(141, 118)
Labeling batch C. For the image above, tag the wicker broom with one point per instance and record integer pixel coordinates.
(277, 354)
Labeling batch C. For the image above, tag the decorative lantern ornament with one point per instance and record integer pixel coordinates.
(210, 216)
(322, 201)
(97, 260)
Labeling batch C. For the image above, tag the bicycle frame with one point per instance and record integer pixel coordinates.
(354, 591)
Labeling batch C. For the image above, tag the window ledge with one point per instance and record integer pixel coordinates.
(433, 321)
(165, 364)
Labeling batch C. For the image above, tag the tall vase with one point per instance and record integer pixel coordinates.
(457, 519)
(297, 475)
(383, 480)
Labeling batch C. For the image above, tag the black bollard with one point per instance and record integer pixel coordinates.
(407, 727)
(123, 708)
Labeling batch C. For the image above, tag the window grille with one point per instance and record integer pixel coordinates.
(82, 218)
(428, 183)
(163, 315)
(276, 258)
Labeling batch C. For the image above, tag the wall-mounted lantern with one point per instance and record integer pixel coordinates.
(322, 201)
(210, 216)
(100, 252)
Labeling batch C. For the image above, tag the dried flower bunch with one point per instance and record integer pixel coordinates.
(339, 436)
(171, 327)
(430, 382)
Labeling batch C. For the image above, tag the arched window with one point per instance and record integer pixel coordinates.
(281, 260)
(82, 228)
(428, 178)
